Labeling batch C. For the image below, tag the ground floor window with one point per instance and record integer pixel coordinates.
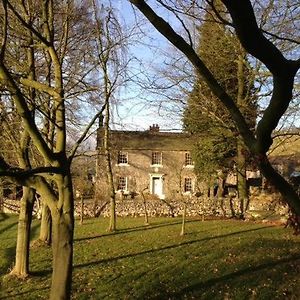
(122, 183)
(187, 184)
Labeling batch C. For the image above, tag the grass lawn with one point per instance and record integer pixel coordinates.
(216, 259)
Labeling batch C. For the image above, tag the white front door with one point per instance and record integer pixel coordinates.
(157, 186)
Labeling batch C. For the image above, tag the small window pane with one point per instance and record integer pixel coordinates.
(156, 158)
(122, 158)
(187, 185)
(188, 159)
(122, 183)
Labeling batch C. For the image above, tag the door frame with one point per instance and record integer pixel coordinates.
(161, 178)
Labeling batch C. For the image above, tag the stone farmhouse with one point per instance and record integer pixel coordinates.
(151, 162)
(159, 163)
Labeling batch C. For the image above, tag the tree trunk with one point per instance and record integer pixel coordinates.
(110, 178)
(220, 190)
(145, 208)
(286, 189)
(1, 198)
(183, 219)
(81, 209)
(46, 224)
(62, 243)
(241, 178)
(112, 222)
(21, 267)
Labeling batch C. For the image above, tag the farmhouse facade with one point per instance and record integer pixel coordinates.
(152, 161)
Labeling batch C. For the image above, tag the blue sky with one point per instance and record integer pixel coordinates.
(136, 110)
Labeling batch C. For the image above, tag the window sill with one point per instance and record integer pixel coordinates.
(189, 166)
(187, 193)
(123, 165)
(124, 192)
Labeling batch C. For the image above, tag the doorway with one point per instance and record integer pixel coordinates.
(157, 186)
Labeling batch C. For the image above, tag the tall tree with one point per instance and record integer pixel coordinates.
(61, 78)
(221, 52)
(283, 72)
(111, 60)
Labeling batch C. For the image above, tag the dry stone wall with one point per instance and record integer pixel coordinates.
(259, 205)
(223, 207)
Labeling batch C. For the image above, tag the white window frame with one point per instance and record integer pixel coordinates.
(160, 159)
(126, 184)
(123, 154)
(190, 185)
(187, 159)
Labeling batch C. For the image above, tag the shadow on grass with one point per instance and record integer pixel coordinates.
(8, 227)
(40, 273)
(25, 295)
(205, 285)
(134, 229)
(107, 260)
(3, 217)
(9, 256)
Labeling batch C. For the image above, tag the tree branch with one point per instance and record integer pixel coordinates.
(25, 114)
(77, 144)
(40, 86)
(26, 25)
(4, 34)
(283, 70)
(251, 36)
(19, 173)
(166, 30)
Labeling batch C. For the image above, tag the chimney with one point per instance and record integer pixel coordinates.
(154, 128)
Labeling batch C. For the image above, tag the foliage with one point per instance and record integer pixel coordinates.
(214, 260)
(212, 153)
(220, 50)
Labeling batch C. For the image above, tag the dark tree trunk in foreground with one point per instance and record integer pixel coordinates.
(62, 242)
(21, 268)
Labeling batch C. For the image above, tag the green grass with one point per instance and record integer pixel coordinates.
(217, 259)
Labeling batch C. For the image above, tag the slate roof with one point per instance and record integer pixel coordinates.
(151, 140)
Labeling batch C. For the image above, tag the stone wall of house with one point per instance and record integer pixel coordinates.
(139, 172)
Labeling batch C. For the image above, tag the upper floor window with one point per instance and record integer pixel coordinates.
(156, 158)
(122, 157)
(188, 159)
(188, 187)
(122, 183)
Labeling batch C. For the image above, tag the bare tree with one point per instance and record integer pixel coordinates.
(53, 87)
(111, 40)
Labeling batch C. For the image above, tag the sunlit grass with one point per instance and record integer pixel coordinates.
(216, 259)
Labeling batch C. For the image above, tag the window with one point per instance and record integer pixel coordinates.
(122, 157)
(122, 183)
(156, 158)
(188, 159)
(187, 184)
